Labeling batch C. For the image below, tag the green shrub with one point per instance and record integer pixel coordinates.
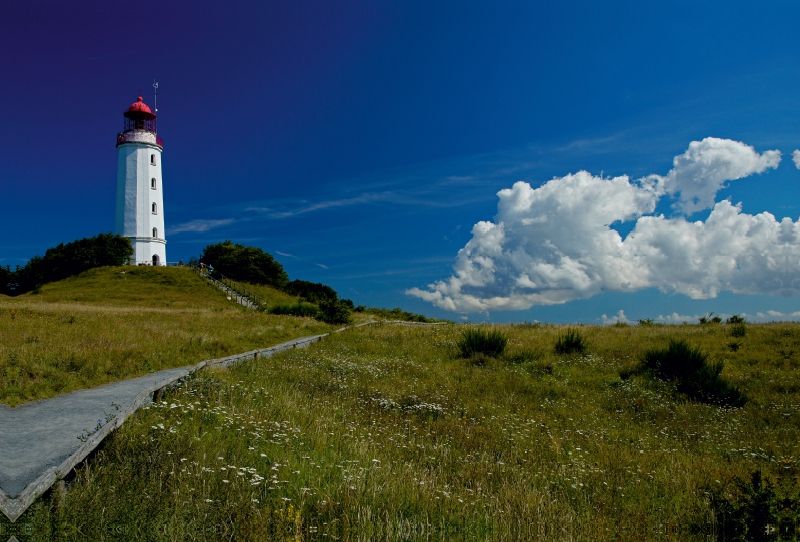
(475, 342)
(675, 362)
(735, 319)
(247, 264)
(298, 309)
(336, 312)
(570, 342)
(688, 367)
(707, 386)
(738, 329)
(710, 319)
(64, 261)
(313, 292)
(6, 280)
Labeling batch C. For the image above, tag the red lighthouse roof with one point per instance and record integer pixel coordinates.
(139, 105)
(140, 110)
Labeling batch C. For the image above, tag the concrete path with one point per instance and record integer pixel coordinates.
(40, 444)
(39, 441)
(40, 435)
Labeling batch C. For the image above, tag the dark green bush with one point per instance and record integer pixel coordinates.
(66, 260)
(570, 342)
(6, 280)
(688, 367)
(336, 312)
(735, 319)
(313, 292)
(710, 319)
(738, 329)
(707, 386)
(675, 362)
(298, 309)
(480, 342)
(247, 264)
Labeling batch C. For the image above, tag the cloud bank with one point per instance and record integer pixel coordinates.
(555, 244)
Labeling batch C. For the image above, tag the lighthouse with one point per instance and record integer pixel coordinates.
(140, 195)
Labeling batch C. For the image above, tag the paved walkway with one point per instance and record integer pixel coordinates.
(39, 441)
(40, 435)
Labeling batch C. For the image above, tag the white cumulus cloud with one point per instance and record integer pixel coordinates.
(554, 244)
(777, 316)
(618, 318)
(699, 173)
(676, 318)
(796, 158)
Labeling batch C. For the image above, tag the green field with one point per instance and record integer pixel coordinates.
(113, 323)
(385, 433)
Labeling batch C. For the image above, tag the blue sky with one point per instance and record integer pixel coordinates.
(360, 142)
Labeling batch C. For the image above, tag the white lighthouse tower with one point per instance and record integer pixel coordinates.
(140, 198)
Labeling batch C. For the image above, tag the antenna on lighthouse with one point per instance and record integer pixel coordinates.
(155, 98)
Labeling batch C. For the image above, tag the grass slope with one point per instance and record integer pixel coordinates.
(133, 286)
(271, 295)
(385, 433)
(114, 323)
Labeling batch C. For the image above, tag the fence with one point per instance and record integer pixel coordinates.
(239, 289)
(160, 264)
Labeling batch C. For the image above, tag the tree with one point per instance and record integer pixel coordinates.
(248, 264)
(334, 312)
(6, 278)
(313, 292)
(71, 259)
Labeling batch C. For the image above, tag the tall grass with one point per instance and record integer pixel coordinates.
(570, 342)
(475, 341)
(297, 309)
(380, 433)
(689, 367)
(738, 329)
(106, 325)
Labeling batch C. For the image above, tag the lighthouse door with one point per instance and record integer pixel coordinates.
(155, 259)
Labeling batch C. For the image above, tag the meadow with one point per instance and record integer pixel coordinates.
(113, 323)
(386, 433)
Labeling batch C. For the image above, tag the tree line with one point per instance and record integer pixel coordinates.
(66, 260)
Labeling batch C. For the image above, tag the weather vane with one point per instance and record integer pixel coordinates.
(155, 98)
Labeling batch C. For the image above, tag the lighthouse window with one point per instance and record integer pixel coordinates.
(155, 232)
(153, 159)
(153, 183)
(155, 209)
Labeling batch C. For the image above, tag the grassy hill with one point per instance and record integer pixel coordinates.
(385, 433)
(152, 287)
(112, 323)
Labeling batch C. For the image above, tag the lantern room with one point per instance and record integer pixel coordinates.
(140, 117)
(140, 125)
